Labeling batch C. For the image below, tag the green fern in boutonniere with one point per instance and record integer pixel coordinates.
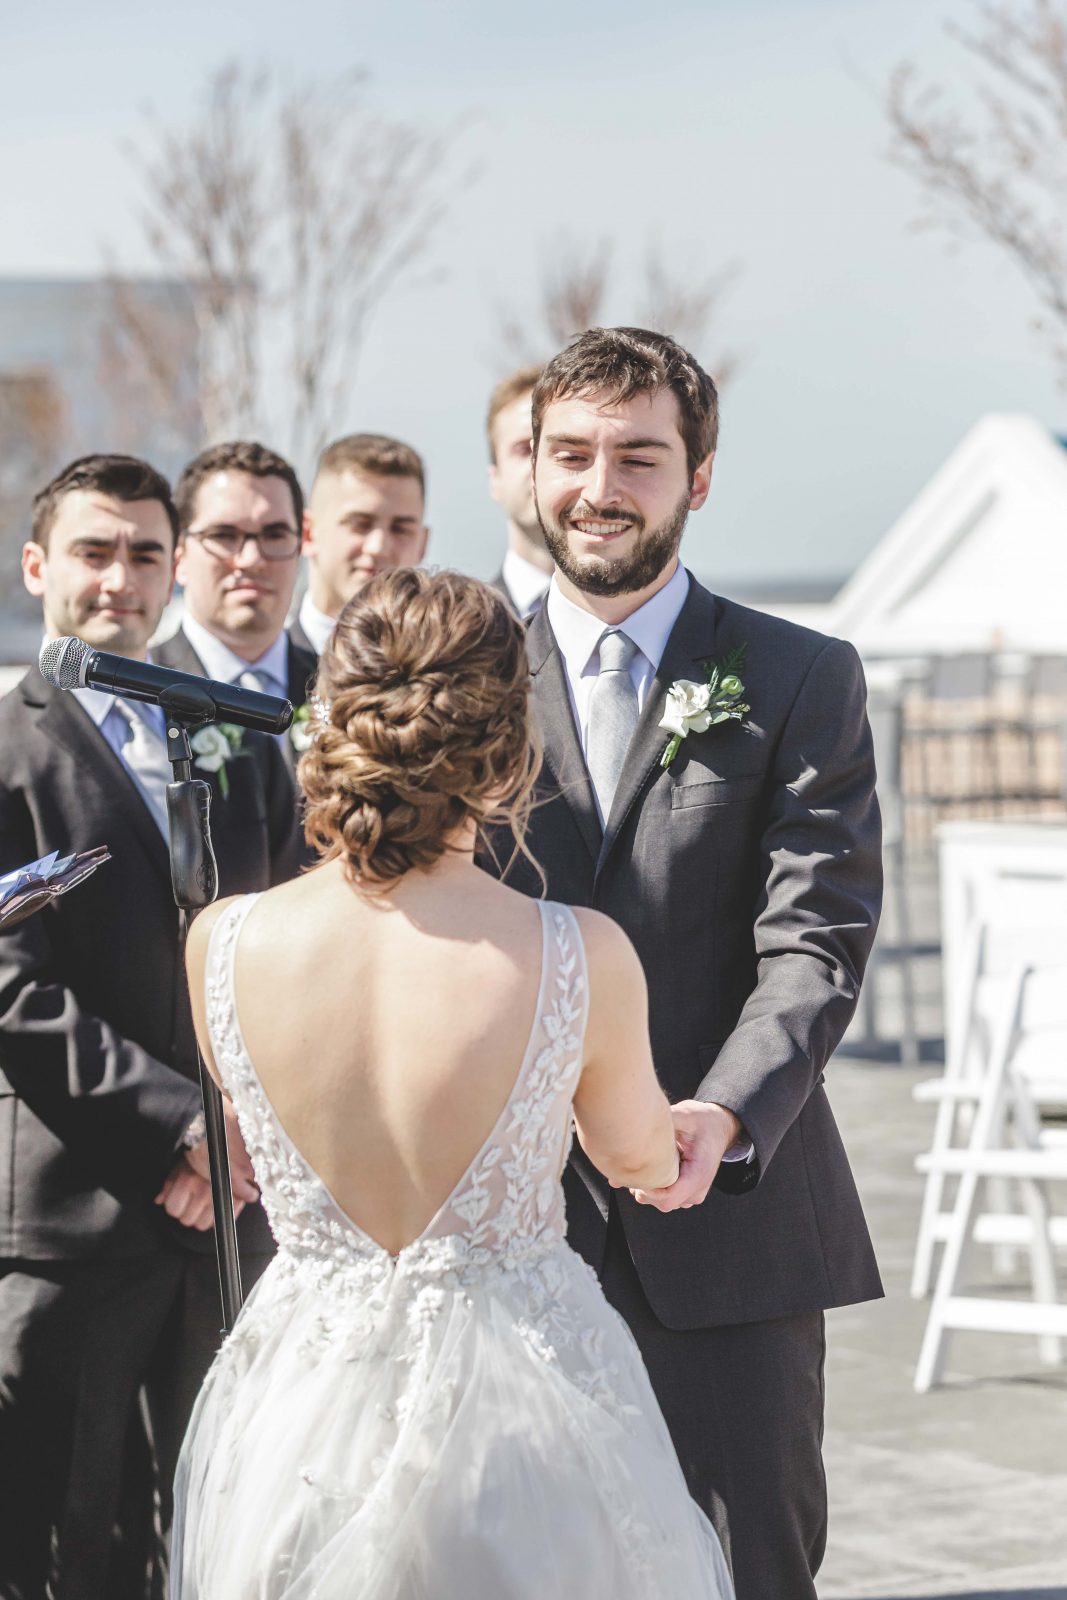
(213, 747)
(696, 707)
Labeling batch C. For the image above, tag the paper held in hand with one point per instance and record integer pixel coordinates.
(28, 888)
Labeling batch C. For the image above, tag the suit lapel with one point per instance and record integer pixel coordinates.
(301, 670)
(179, 654)
(64, 722)
(691, 643)
(562, 746)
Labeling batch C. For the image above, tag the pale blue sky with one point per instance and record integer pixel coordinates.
(747, 132)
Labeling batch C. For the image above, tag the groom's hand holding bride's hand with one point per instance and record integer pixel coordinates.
(705, 1132)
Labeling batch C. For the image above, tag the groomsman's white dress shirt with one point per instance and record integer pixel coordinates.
(526, 584)
(578, 634)
(317, 625)
(271, 669)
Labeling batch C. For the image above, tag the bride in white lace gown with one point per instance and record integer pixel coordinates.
(434, 1401)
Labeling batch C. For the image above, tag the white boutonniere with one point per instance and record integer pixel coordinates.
(696, 707)
(213, 747)
(301, 732)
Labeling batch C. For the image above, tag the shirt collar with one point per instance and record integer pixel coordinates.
(318, 625)
(96, 703)
(224, 666)
(578, 632)
(525, 583)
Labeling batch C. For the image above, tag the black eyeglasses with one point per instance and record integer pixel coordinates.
(273, 544)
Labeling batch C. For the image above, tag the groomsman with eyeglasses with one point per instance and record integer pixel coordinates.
(240, 509)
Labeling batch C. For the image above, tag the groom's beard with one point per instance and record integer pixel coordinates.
(652, 552)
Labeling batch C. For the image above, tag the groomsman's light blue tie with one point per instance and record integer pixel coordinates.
(613, 710)
(144, 752)
(263, 683)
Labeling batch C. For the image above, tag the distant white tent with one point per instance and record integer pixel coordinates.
(977, 562)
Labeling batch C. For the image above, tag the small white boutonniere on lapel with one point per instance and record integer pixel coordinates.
(301, 732)
(696, 707)
(213, 747)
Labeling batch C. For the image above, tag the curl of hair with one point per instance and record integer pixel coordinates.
(425, 689)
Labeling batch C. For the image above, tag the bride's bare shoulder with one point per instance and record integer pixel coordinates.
(609, 954)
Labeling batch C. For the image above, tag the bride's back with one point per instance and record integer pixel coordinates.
(387, 1034)
(387, 999)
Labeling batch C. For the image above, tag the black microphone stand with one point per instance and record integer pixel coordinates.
(195, 881)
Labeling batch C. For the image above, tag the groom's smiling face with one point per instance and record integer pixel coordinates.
(613, 490)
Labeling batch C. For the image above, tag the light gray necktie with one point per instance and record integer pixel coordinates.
(262, 683)
(145, 754)
(613, 713)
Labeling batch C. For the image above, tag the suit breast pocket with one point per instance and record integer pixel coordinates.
(716, 791)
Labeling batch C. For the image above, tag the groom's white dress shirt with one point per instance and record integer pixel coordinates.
(578, 634)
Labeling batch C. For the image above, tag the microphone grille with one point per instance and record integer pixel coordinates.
(63, 662)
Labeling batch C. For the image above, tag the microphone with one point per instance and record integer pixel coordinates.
(70, 663)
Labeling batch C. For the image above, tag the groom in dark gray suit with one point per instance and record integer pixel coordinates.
(747, 873)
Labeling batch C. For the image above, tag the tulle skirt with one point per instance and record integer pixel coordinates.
(424, 1438)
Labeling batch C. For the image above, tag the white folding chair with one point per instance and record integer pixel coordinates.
(1012, 908)
(1009, 1144)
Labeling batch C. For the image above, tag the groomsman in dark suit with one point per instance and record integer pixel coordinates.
(366, 512)
(108, 1287)
(527, 566)
(240, 510)
(744, 862)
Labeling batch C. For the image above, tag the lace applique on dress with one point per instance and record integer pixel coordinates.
(367, 1409)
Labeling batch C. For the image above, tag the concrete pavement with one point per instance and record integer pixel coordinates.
(961, 1492)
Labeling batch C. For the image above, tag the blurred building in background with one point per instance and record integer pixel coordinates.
(85, 365)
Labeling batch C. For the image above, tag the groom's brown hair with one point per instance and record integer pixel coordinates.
(620, 363)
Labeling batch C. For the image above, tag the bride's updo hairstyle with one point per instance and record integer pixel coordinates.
(421, 723)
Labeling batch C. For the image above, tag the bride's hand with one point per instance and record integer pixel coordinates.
(705, 1132)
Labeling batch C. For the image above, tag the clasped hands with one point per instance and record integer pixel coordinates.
(704, 1132)
(186, 1193)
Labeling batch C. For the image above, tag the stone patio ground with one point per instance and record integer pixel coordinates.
(958, 1493)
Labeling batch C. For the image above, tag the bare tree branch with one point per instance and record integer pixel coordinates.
(32, 426)
(686, 309)
(574, 295)
(996, 169)
(291, 213)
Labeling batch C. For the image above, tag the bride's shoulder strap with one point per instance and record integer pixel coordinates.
(567, 959)
(223, 940)
(218, 975)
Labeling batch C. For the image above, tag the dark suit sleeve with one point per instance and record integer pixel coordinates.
(119, 1111)
(817, 915)
(284, 825)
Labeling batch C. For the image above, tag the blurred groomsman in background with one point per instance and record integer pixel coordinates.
(366, 513)
(240, 508)
(108, 1286)
(527, 568)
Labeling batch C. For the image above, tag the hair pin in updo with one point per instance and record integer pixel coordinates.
(320, 710)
